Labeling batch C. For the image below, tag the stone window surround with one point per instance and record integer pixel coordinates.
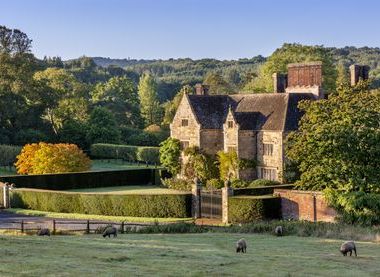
(184, 122)
(268, 149)
(272, 171)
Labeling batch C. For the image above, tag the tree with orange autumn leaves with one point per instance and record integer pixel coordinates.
(44, 158)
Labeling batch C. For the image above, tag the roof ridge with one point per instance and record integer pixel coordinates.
(286, 112)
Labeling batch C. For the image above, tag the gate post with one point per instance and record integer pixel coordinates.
(196, 199)
(6, 196)
(227, 191)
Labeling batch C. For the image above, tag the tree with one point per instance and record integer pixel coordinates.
(294, 53)
(171, 107)
(199, 165)
(151, 110)
(102, 127)
(119, 95)
(216, 83)
(337, 144)
(44, 158)
(14, 41)
(170, 152)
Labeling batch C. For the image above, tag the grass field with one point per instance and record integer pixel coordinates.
(100, 165)
(206, 254)
(130, 190)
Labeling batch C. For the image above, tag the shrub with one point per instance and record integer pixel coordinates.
(260, 190)
(244, 209)
(178, 184)
(263, 183)
(170, 152)
(199, 165)
(45, 158)
(214, 184)
(163, 205)
(8, 154)
(125, 152)
(237, 183)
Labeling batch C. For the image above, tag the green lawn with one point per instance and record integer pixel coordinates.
(101, 165)
(206, 254)
(130, 190)
(5, 172)
(96, 217)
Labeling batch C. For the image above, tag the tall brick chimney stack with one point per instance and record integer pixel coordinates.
(305, 78)
(201, 89)
(280, 82)
(358, 72)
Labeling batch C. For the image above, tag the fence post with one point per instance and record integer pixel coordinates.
(22, 226)
(196, 199)
(226, 193)
(122, 227)
(53, 226)
(88, 227)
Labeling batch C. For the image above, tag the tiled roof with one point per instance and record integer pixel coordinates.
(267, 111)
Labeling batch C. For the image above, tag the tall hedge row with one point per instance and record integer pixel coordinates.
(78, 180)
(264, 190)
(244, 209)
(126, 152)
(8, 154)
(163, 205)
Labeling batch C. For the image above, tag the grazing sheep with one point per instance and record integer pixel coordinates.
(241, 246)
(110, 231)
(279, 231)
(348, 246)
(43, 232)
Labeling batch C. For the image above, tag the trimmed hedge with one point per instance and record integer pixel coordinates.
(126, 152)
(8, 154)
(163, 205)
(265, 190)
(78, 180)
(244, 209)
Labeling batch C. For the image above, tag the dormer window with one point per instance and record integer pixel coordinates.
(230, 124)
(185, 122)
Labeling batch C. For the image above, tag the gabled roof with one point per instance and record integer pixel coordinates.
(267, 111)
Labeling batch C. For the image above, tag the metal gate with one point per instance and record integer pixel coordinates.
(211, 204)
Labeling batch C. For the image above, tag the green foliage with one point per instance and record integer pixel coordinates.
(170, 152)
(151, 110)
(75, 132)
(263, 183)
(199, 165)
(294, 53)
(214, 184)
(337, 143)
(125, 152)
(244, 209)
(165, 205)
(8, 154)
(171, 107)
(26, 136)
(229, 164)
(216, 84)
(178, 184)
(264, 190)
(102, 127)
(355, 207)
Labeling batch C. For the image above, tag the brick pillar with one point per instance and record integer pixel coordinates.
(226, 193)
(196, 199)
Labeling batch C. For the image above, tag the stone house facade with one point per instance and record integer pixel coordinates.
(253, 125)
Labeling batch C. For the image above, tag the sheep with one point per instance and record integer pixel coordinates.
(348, 246)
(110, 231)
(279, 231)
(43, 232)
(241, 246)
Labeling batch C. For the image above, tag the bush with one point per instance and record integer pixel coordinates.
(263, 183)
(164, 205)
(78, 180)
(170, 152)
(45, 158)
(214, 184)
(355, 207)
(244, 209)
(260, 190)
(8, 154)
(125, 152)
(178, 184)
(237, 184)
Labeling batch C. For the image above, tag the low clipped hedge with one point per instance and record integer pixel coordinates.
(264, 190)
(146, 154)
(161, 205)
(8, 154)
(245, 209)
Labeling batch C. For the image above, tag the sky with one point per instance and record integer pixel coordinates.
(162, 29)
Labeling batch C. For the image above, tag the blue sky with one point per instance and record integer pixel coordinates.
(189, 28)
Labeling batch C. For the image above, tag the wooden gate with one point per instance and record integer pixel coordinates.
(211, 204)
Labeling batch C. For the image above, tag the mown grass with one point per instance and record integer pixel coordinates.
(97, 217)
(100, 165)
(130, 190)
(205, 254)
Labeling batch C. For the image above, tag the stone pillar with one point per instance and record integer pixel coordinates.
(226, 193)
(6, 196)
(196, 199)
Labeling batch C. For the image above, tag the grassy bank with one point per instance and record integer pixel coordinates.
(206, 254)
(96, 217)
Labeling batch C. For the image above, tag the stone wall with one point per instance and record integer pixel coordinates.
(211, 140)
(305, 205)
(247, 149)
(230, 134)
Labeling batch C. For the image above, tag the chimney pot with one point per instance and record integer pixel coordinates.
(280, 82)
(201, 89)
(358, 72)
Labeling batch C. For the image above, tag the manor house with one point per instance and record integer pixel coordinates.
(253, 125)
